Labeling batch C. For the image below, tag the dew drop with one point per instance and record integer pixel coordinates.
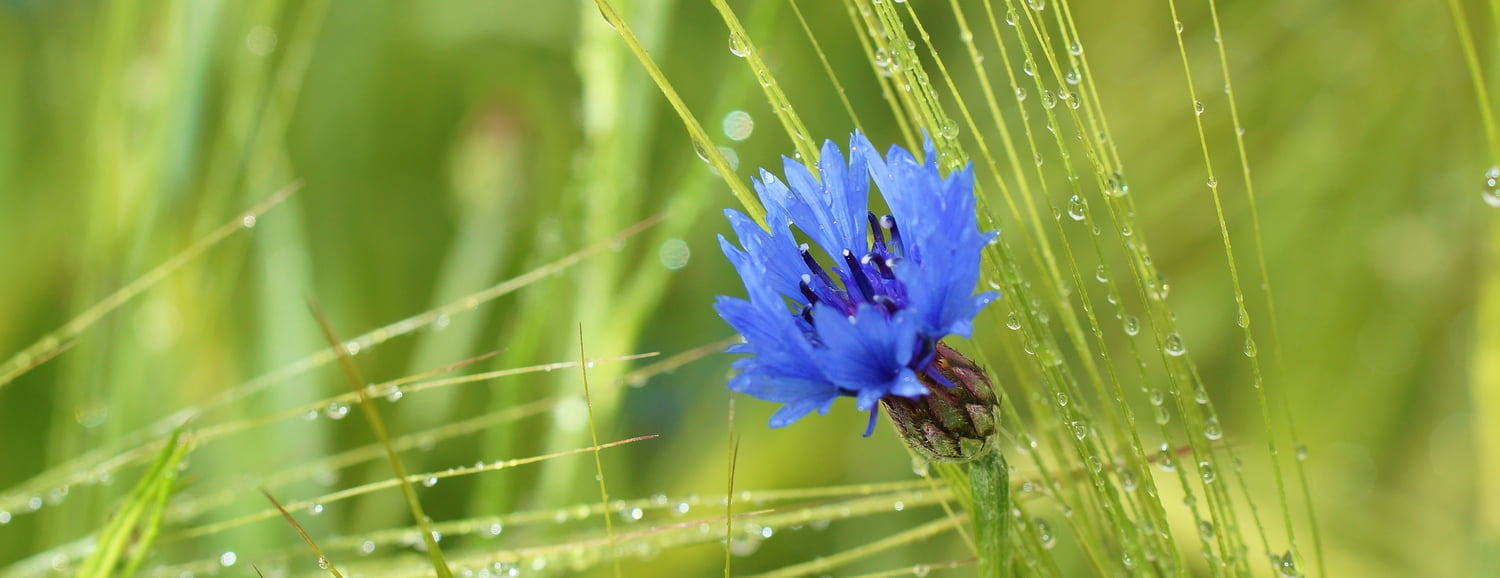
(920, 570)
(1096, 464)
(948, 128)
(352, 348)
(1013, 321)
(1163, 416)
(1198, 109)
(1491, 193)
(1076, 208)
(228, 559)
(738, 46)
(315, 509)
(367, 547)
(1037, 5)
(1200, 395)
(1178, 25)
(57, 495)
(1132, 325)
(247, 221)
(1072, 76)
(1062, 399)
(336, 410)
(1020, 94)
(497, 527)
(1158, 397)
(1286, 565)
(429, 481)
(393, 393)
(1207, 471)
(1080, 430)
(1301, 451)
(918, 466)
(4, 517)
(1044, 533)
(1028, 68)
(322, 563)
(1249, 347)
(1211, 429)
(1206, 530)
(1048, 99)
(1174, 346)
(1075, 48)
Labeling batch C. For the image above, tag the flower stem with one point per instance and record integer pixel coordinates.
(989, 479)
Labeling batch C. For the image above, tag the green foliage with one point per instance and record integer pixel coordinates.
(1293, 376)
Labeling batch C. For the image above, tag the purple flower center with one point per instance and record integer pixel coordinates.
(869, 278)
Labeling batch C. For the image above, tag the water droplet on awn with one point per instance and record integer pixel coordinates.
(738, 46)
(1174, 346)
(1076, 208)
(1211, 429)
(1491, 194)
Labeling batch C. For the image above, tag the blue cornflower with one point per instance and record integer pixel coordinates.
(860, 310)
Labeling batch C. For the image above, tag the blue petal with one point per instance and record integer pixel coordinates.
(775, 250)
(795, 410)
(867, 398)
(866, 352)
(848, 188)
(907, 385)
(941, 234)
(781, 201)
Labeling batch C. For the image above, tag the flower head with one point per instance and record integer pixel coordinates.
(859, 310)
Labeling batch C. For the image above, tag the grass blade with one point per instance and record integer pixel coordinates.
(53, 343)
(323, 560)
(377, 424)
(146, 500)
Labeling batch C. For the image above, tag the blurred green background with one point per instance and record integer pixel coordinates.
(445, 147)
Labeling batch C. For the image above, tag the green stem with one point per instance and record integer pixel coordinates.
(989, 478)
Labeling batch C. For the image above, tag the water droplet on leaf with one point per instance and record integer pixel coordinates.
(1174, 346)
